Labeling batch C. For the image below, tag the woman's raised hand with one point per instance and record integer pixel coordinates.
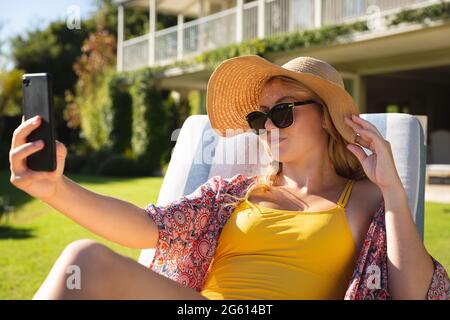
(379, 166)
(38, 184)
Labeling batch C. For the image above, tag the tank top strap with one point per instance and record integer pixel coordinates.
(345, 194)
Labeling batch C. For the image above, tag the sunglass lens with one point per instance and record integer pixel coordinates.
(257, 122)
(282, 116)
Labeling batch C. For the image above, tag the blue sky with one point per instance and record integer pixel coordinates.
(20, 15)
(17, 16)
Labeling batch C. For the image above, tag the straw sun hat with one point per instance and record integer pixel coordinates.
(235, 85)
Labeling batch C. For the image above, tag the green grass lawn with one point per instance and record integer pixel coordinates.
(33, 236)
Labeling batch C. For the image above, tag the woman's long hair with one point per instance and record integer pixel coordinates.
(344, 162)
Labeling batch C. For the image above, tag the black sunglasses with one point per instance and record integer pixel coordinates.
(281, 115)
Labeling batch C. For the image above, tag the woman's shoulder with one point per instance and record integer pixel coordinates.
(367, 195)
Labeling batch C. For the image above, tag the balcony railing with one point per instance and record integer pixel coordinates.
(260, 18)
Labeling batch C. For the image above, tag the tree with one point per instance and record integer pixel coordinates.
(3, 54)
(57, 49)
(91, 67)
(52, 50)
(10, 92)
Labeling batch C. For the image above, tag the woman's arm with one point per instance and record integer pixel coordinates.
(113, 219)
(410, 267)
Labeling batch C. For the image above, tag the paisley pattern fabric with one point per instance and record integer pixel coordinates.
(189, 229)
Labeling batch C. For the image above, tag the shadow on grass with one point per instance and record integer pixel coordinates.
(8, 232)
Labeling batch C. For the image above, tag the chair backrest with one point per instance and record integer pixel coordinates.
(200, 153)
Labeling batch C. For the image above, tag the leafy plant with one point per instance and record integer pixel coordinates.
(440, 11)
(150, 131)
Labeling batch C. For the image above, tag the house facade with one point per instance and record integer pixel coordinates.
(405, 68)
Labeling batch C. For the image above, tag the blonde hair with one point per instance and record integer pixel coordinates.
(344, 161)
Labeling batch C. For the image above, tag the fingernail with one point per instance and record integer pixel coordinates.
(37, 143)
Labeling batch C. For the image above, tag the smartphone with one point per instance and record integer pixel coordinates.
(38, 100)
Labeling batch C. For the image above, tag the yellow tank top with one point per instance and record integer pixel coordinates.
(264, 253)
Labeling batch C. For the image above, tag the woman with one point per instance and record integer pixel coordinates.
(330, 222)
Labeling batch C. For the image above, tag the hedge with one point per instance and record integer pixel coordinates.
(150, 134)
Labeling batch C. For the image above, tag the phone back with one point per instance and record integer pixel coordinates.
(38, 100)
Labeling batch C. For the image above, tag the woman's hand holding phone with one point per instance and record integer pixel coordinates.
(116, 220)
(39, 184)
(37, 169)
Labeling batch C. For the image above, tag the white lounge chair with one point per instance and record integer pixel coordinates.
(198, 150)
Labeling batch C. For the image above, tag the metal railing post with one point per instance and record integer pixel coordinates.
(152, 27)
(261, 20)
(120, 31)
(180, 28)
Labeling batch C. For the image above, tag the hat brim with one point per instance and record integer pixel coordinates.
(234, 89)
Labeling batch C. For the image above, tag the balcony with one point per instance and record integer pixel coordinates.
(244, 21)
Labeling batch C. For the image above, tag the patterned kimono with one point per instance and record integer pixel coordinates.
(189, 229)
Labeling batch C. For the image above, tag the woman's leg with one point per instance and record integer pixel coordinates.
(105, 274)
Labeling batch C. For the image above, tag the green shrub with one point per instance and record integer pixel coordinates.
(119, 166)
(94, 159)
(118, 113)
(74, 163)
(4, 155)
(177, 113)
(150, 136)
(105, 114)
(93, 113)
(440, 11)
